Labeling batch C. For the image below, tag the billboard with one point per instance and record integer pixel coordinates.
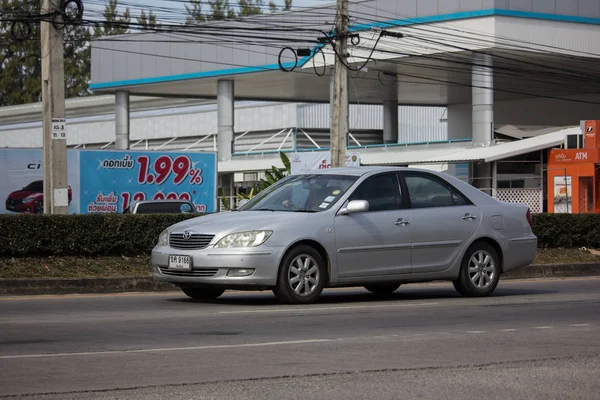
(313, 160)
(102, 181)
(22, 186)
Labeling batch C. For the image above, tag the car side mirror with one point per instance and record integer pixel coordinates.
(355, 206)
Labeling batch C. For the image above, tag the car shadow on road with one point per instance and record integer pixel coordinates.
(358, 295)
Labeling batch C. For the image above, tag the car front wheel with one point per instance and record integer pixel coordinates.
(301, 276)
(203, 293)
(479, 272)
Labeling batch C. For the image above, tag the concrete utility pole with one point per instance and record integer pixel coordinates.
(54, 123)
(339, 117)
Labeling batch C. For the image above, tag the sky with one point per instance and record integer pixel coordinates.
(96, 6)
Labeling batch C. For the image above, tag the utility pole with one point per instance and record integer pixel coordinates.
(54, 123)
(339, 117)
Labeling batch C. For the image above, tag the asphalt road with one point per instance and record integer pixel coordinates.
(531, 340)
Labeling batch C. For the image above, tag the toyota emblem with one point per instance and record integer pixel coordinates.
(187, 235)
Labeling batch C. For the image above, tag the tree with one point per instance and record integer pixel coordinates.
(113, 23)
(147, 22)
(250, 7)
(287, 6)
(194, 11)
(220, 10)
(20, 60)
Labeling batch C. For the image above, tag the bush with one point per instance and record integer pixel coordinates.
(96, 235)
(567, 230)
(82, 235)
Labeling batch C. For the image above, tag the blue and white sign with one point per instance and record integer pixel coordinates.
(111, 180)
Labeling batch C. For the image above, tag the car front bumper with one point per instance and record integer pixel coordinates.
(211, 265)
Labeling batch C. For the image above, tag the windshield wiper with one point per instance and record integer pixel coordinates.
(264, 209)
(306, 211)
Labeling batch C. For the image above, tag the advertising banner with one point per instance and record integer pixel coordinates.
(310, 161)
(22, 181)
(111, 180)
(563, 195)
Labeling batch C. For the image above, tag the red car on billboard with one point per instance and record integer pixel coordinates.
(30, 199)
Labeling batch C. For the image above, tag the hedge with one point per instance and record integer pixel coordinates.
(98, 235)
(82, 235)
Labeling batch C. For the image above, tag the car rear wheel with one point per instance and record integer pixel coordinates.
(301, 276)
(382, 289)
(203, 293)
(479, 272)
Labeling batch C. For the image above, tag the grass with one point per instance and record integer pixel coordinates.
(81, 267)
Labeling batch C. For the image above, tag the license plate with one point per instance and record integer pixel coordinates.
(181, 263)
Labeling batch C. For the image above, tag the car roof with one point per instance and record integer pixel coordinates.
(162, 201)
(360, 171)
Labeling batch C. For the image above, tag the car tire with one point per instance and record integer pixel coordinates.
(382, 289)
(301, 277)
(479, 271)
(39, 207)
(203, 293)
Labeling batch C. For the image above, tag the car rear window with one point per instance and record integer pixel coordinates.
(165, 208)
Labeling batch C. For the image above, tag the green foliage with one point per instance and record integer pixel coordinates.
(567, 230)
(99, 235)
(194, 11)
(274, 174)
(220, 10)
(250, 7)
(82, 235)
(147, 22)
(20, 60)
(113, 23)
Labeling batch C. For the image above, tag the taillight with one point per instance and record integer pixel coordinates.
(529, 218)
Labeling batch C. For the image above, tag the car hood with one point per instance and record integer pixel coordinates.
(21, 194)
(239, 221)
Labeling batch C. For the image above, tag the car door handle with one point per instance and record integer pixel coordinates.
(469, 217)
(401, 221)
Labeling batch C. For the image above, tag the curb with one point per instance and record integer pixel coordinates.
(50, 286)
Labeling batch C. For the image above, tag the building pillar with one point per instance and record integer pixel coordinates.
(122, 120)
(225, 115)
(482, 78)
(390, 121)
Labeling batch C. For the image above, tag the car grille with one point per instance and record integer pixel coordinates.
(198, 272)
(13, 202)
(195, 242)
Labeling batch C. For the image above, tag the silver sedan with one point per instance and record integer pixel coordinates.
(374, 227)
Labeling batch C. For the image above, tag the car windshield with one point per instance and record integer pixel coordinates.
(302, 193)
(37, 186)
(171, 207)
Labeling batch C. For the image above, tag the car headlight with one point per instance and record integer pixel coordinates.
(163, 238)
(29, 199)
(244, 239)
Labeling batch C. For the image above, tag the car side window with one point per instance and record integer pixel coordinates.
(428, 191)
(381, 191)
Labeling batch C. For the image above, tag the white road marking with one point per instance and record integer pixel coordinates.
(543, 327)
(294, 310)
(579, 325)
(168, 349)
(477, 332)
(508, 330)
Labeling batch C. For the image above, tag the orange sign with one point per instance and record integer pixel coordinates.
(590, 135)
(573, 156)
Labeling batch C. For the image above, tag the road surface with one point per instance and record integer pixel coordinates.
(531, 340)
